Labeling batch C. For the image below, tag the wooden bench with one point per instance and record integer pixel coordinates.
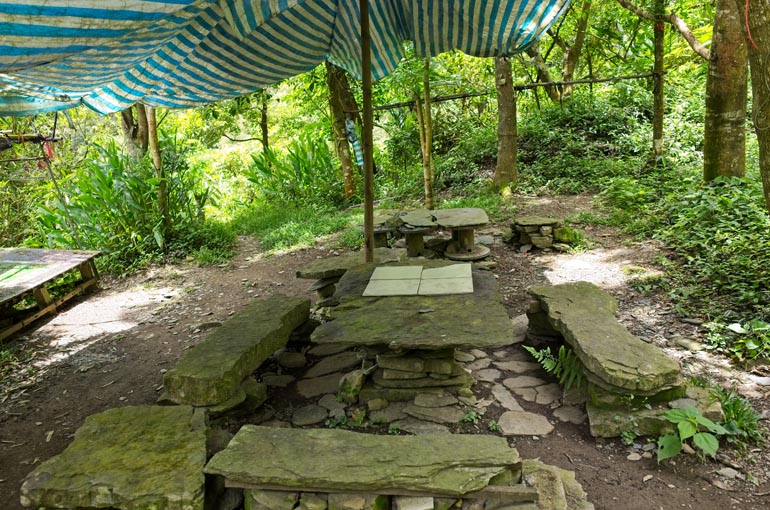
(30, 270)
(211, 373)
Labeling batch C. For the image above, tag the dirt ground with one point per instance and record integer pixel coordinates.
(111, 348)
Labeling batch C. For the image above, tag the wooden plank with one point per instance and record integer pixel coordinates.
(502, 493)
(38, 267)
(5, 333)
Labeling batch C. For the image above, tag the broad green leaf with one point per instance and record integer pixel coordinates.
(706, 442)
(668, 446)
(757, 325)
(713, 427)
(737, 328)
(686, 429)
(677, 415)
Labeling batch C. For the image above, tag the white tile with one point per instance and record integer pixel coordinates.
(396, 273)
(439, 286)
(392, 287)
(412, 503)
(453, 271)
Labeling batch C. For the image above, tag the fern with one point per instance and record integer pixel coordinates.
(565, 366)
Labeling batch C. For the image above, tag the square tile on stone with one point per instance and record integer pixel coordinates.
(396, 273)
(392, 288)
(439, 286)
(453, 271)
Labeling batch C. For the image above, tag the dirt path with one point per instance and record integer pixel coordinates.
(111, 350)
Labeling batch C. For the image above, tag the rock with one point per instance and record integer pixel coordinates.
(211, 372)
(535, 221)
(288, 359)
(335, 363)
(647, 478)
(388, 373)
(541, 242)
(309, 415)
(330, 402)
(256, 393)
(548, 394)
(570, 414)
(281, 381)
(394, 411)
(327, 349)
(444, 503)
(445, 464)
(523, 381)
(371, 391)
(479, 364)
(350, 386)
(728, 473)
(683, 403)
(528, 394)
(342, 501)
(434, 400)
(575, 396)
(621, 399)
(330, 267)
(505, 398)
(464, 357)
(522, 423)
(463, 379)
(309, 388)
(255, 499)
(377, 404)
(449, 415)
(419, 427)
(688, 343)
(238, 398)
(230, 499)
(557, 488)
(565, 235)
(689, 450)
(312, 501)
(634, 457)
(584, 315)
(457, 320)
(562, 247)
(519, 367)
(132, 458)
(217, 440)
(412, 503)
(488, 375)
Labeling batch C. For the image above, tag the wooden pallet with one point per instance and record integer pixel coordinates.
(29, 270)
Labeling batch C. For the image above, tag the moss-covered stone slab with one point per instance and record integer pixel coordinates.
(331, 460)
(535, 221)
(417, 322)
(211, 372)
(129, 458)
(647, 421)
(584, 315)
(331, 267)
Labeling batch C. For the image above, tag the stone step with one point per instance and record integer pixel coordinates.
(557, 488)
(131, 458)
(340, 460)
(211, 372)
(584, 315)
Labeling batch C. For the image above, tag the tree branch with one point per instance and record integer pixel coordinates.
(674, 21)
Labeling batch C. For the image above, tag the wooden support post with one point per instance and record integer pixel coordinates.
(43, 298)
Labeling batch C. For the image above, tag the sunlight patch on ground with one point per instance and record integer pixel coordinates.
(604, 268)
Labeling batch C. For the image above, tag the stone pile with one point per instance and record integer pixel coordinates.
(542, 232)
(402, 376)
(631, 383)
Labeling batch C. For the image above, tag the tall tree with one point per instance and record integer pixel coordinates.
(422, 101)
(336, 79)
(659, 102)
(505, 171)
(724, 135)
(757, 28)
(160, 172)
(134, 129)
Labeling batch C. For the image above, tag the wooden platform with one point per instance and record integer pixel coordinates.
(28, 271)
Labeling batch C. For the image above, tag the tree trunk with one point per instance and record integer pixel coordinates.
(334, 81)
(658, 95)
(572, 55)
(425, 120)
(543, 74)
(263, 126)
(724, 140)
(160, 172)
(135, 129)
(505, 171)
(759, 48)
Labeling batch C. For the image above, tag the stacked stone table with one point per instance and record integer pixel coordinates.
(420, 331)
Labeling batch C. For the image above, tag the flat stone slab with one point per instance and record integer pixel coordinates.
(420, 427)
(417, 322)
(584, 315)
(336, 461)
(309, 415)
(505, 398)
(316, 386)
(330, 267)
(449, 415)
(535, 221)
(211, 372)
(128, 458)
(522, 423)
(334, 363)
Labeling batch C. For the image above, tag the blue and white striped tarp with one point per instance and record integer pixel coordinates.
(109, 54)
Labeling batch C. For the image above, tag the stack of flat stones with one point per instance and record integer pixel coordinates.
(631, 383)
(542, 232)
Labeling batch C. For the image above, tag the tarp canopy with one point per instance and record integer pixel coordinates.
(109, 54)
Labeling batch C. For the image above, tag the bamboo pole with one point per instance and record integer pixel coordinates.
(368, 145)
